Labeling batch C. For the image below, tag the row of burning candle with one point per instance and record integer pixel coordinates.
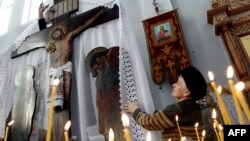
(125, 122)
(50, 121)
(66, 128)
(195, 128)
(218, 129)
(240, 103)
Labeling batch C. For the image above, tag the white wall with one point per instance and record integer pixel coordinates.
(207, 50)
(15, 27)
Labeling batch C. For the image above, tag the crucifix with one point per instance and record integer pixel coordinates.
(57, 40)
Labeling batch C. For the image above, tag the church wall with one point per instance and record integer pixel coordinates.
(206, 50)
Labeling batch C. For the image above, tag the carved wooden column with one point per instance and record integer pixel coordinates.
(228, 18)
(235, 55)
(219, 16)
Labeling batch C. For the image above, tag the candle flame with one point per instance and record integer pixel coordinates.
(240, 86)
(203, 133)
(230, 72)
(214, 114)
(148, 136)
(210, 76)
(11, 122)
(214, 125)
(221, 127)
(125, 120)
(196, 125)
(56, 82)
(176, 118)
(67, 125)
(169, 139)
(111, 134)
(219, 89)
(183, 138)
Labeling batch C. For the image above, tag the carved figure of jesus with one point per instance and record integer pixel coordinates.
(59, 47)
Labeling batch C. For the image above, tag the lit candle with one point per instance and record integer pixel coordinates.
(66, 128)
(184, 139)
(216, 133)
(7, 130)
(214, 118)
(203, 135)
(196, 130)
(51, 110)
(149, 137)
(239, 87)
(111, 135)
(221, 134)
(169, 139)
(225, 114)
(236, 104)
(125, 122)
(176, 118)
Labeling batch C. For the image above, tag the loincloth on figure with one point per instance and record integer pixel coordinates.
(57, 73)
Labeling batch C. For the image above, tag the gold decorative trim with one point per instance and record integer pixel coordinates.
(241, 28)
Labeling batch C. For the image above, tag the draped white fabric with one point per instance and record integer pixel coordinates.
(133, 82)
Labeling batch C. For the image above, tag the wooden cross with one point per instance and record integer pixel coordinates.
(39, 39)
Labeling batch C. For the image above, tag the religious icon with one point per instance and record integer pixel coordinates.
(162, 32)
(166, 46)
(103, 63)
